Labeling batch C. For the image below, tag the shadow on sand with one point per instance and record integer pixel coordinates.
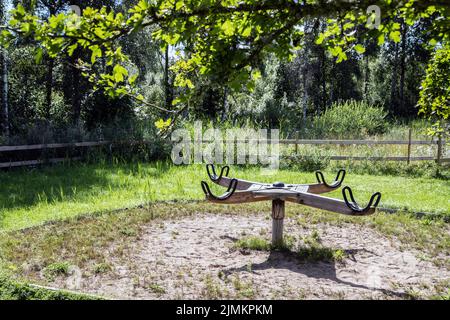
(317, 270)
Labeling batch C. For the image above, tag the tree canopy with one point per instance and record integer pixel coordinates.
(226, 39)
(435, 94)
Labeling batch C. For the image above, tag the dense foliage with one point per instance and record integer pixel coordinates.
(274, 61)
(435, 95)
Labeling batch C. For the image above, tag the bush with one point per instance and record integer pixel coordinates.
(350, 120)
(434, 100)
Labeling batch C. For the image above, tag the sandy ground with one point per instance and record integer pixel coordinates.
(194, 258)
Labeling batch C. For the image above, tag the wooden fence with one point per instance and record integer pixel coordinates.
(439, 157)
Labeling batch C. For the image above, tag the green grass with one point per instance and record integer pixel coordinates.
(308, 249)
(55, 269)
(102, 267)
(253, 243)
(156, 288)
(14, 290)
(33, 197)
(81, 206)
(311, 249)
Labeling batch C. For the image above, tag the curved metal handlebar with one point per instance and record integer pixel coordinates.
(337, 182)
(353, 205)
(230, 191)
(212, 172)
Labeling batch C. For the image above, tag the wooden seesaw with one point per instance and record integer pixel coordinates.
(242, 191)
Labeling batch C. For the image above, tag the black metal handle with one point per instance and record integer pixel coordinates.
(337, 182)
(373, 203)
(211, 170)
(230, 191)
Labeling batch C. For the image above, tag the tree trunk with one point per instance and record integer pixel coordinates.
(76, 96)
(305, 93)
(324, 79)
(49, 88)
(403, 68)
(4, 112)
(72, 87)
(5, 106)
(225, 104)
(394, 77)
(167, 87)
(366, 77)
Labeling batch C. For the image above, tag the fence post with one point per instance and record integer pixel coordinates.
(296, 142)
(409, 145)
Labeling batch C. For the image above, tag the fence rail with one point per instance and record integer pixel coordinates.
(387, 158)
(52, 146)
(439, 143)
(360, 142)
